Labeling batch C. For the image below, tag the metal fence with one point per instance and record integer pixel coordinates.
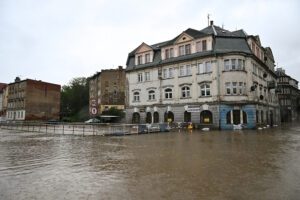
(85, 129)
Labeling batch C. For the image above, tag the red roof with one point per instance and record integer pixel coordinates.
(2, 86)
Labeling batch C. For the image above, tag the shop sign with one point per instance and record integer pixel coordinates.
(192, 108)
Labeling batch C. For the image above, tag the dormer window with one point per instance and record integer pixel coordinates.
(167, 53)
(198, 46)
(140, 60)
(181, 50)
(187, 49)
(147, 58)
(204, 45)
(171, 53)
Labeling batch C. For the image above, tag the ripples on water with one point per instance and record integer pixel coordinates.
(178, 165)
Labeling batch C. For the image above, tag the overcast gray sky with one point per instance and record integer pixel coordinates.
(57, 40)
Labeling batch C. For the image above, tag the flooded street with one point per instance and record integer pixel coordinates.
(177, 165)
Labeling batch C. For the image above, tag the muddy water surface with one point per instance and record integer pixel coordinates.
(177, 165)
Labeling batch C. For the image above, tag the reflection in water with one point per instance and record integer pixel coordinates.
(179, 165)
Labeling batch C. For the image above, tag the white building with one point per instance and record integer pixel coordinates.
(212, 77)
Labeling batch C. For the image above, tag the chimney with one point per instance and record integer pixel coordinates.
(211, 22)
(17, 79)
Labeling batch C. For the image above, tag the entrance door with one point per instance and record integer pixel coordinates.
(271, 118)
(236, 116)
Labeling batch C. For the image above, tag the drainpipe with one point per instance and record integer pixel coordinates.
(218, 89)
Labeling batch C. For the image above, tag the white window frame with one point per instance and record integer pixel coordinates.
(200, 68)
(228, 88)
(136, 96)
(147, 76)
(188, 70)
(151, 95)
(181, 71)
(165, 73)
(185, 92)
(169, 93)
(208, 67)
(227, 65)
(234, 88)
(206, 89)
(181, 50)
(140, 77)
(147, 57)
(171, 72)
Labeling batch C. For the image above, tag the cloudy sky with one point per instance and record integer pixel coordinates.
(57, 40)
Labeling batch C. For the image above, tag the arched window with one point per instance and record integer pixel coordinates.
(169, 115)
(206, 117)
(187, 116)
(136, 96)
(136, 118)
(151, 95)
(148, 118)
(185, 92)
(168, 93)
(155, 117)
(205, 90)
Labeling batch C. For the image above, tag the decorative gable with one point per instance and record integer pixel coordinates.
(183, 38)
(143, 48)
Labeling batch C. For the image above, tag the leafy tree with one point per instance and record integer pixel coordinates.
(75, 100)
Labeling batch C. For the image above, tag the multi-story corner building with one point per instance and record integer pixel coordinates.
(33, 100)
(288, 94)
(210, 77)
(106, 90)
(3, 99)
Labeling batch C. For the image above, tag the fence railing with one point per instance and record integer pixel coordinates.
(85, 129)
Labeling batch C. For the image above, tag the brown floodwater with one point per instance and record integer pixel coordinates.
(214, 165)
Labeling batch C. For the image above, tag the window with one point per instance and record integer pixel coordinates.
(165, 73)
(136, 96)
(167, 53)
(151, 95)
(136, 118)
(198, 44)
(171, 53)
(185, 92)
(227, 85)
(140, 60)
(241, 88)
(208, 67)
(204, 45)
(155, 117)
(168, 93)
(181, 50)
(181, 71)
(205, 90)
(147, 76)
(171, 72)
(140, 77)
(200, 68)
(187, 49)
(147, 58)
(239, 64)
(233, 67)
(187, 116)
(234, 89)
(188, 70)
(254, 68)
(206, 117)
(226, 64)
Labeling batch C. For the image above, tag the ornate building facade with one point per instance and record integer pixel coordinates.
(210, 77)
